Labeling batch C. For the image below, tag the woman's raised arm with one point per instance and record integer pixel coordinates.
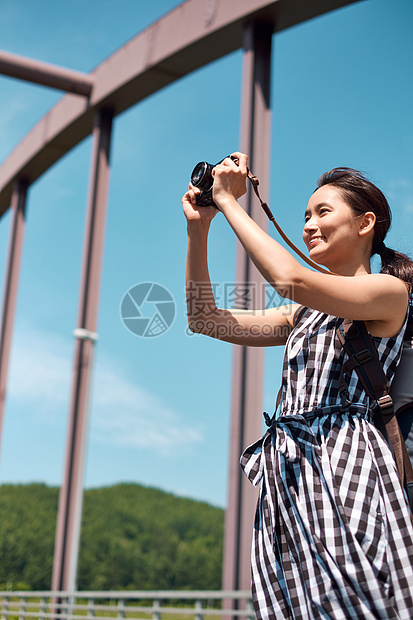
(251, 328)
(340, 241)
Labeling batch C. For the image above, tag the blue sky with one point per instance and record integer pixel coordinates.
(341, 95)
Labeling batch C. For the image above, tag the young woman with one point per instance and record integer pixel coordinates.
(333, 535)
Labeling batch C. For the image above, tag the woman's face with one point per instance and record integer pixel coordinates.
(331, 229)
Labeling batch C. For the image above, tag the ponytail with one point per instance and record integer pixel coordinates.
(396, 264)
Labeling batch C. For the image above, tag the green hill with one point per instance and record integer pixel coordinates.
(132, 537)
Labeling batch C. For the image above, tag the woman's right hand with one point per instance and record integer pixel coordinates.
(192, 211)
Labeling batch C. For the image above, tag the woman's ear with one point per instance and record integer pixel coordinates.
(367, 222)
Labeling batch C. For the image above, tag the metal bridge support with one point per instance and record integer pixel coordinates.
(18, 207)
(71, 493)
(248, 362)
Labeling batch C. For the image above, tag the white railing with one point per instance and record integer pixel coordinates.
(128, 605)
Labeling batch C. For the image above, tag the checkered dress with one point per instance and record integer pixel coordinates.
(333, 536)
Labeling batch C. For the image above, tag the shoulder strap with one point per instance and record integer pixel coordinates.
(408, 334)
(363, 358)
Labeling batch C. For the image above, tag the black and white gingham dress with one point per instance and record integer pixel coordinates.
(333, 537)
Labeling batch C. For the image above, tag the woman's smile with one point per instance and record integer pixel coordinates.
(315, 240)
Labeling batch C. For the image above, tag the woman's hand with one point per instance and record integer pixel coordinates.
(230, 179)
(192, 211)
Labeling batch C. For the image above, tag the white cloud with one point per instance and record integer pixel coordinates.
(127, 414)
(40, 372)
(123, 413)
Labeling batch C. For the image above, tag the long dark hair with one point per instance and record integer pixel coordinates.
(362, 196)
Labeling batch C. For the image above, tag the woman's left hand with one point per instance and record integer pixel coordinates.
(230, 179)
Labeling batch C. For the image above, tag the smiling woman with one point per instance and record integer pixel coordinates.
(367, 201)
(332, 520)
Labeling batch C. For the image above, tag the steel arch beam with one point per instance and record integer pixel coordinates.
(194, 34)
(46, 74)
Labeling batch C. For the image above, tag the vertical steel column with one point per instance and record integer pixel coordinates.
(248, 362)
(71, 493)
(18, 207)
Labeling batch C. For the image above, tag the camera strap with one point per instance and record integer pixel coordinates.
(255, 182)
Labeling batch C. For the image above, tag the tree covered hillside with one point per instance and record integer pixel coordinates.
(132, 537)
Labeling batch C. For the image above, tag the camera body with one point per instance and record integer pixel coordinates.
(202, 178)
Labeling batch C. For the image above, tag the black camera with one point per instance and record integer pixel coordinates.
(202, 178)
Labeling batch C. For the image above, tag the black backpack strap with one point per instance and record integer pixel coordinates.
(363, 358)
(408, 334)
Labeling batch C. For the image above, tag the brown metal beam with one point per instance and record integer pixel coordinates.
(248, 365)
(45, 74)
(71, 493)
(18, 206)
(182, 41)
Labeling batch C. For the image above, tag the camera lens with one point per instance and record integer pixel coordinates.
(201, 176)
(198, 173)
